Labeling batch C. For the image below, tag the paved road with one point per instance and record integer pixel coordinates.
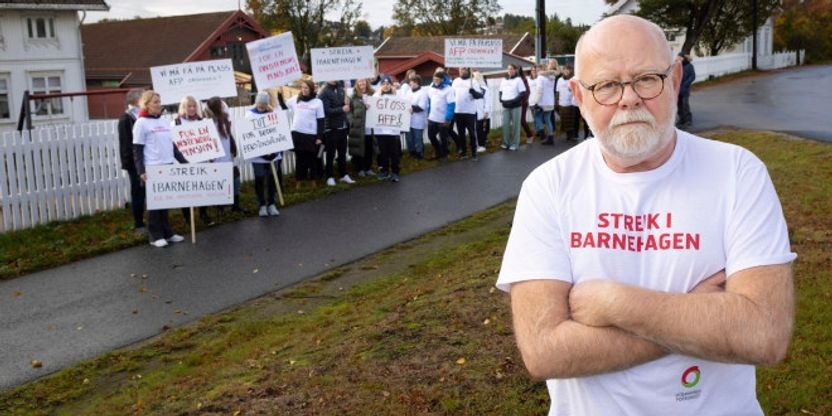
(794, 101)
(75, 312)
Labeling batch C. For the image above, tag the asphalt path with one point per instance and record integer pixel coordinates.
(796, 101)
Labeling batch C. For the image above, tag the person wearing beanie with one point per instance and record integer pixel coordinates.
(153, 146)
(264, 184)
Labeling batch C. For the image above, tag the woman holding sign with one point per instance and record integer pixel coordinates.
(215, 110)
(307, 130)
(189, 113)
(389, 143)
(261, 165)
(153, 146)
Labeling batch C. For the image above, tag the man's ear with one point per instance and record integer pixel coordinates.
(676, 75)
(577, 91)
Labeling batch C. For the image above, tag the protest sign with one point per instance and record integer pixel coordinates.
(389, 112)
(263, 135)
(202, 80)
(189, 185)
(198, 141)
(345, 63)
(474, 53)
(274, 61)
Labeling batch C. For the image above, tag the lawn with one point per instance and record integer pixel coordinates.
(418, 329)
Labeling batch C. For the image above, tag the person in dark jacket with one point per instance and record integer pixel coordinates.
(336, 107)
(684, 116)
(524, 111)
(125, 144)
(361, 144)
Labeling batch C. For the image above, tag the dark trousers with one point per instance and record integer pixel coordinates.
(452, 133)
(390, 149)
(305, 161)
(336, 142)
(683, 113)
(467, 123)
(264, 179)
(483, 128)
(365, 161)
(137, 197)
(523, 123)
(158, 224)
(440, 145)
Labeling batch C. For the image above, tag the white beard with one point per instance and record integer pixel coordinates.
(634, 141)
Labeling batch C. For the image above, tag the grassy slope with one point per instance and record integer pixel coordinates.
(394, 339)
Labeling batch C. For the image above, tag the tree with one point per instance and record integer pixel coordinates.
(732, 23)
(363, 30)
(443, 17)
(805, 25)
(305, 19)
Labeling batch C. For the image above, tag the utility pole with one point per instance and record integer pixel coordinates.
(754, 35)
(540, 28)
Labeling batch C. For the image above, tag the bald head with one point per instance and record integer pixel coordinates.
(619, 38)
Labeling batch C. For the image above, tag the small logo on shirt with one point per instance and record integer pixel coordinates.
(691, 376)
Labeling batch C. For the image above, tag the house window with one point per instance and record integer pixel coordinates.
(40, 27)
(5, 108)
(217, 51)
(47, 84)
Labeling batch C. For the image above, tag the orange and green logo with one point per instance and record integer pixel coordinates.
(691, 376)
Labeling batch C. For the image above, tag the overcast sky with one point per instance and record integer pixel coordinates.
(377, 12)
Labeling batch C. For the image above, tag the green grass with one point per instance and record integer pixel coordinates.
(61, 242)
(388, 334)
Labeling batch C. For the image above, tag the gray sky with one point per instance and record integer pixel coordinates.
(377, 12)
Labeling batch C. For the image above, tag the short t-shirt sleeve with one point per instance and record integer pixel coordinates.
(138, 133)
(756, 233)
(535, 249)
(319, 110)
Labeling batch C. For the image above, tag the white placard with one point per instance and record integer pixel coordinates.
(345, 63)
(190, 185)
(201, 80)
(389, 112)
(263, 135)
(198, 141)
(474, 53)
(274, 62)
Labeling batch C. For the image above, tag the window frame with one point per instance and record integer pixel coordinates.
(46, 76)
(5, 76)
(30, 28)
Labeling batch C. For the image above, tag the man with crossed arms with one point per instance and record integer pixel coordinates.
(649, 269)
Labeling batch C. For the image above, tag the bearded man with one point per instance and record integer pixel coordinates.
(649, 269)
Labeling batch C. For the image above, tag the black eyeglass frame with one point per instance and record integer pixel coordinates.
(631, 83)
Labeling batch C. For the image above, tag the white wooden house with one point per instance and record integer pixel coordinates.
(40, 51)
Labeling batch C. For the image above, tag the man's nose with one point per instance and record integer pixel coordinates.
(629, 99)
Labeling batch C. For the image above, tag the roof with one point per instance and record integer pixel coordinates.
(118, 48)
(411, 46)
(616, 8)
(97, 5)
(430, 56)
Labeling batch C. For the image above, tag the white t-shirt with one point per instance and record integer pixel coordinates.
(484, 103)
(511, 88)
(305, 114)
(419, 98)
(155, 135)
(711, 206)
(535, 92)
(439, 99)
(564, 93)
(465, 102)
(547, 91)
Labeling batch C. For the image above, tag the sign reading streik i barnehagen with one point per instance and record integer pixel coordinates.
(344, 63)
(473, 53)
(266, 134)
(189, 185)
(201, 80)
(274, 62)
(388, 111)
(198, 141)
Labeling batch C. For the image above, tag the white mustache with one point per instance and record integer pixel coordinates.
(630, 116)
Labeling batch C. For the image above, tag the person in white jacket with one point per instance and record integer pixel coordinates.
(466, 91)
(483, 113)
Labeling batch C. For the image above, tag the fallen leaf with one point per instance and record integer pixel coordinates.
(144, 276)
(255, 271)
(37, 363)
(461, 361)
(492, 290)
(237, 413)
(142, 289)
(135, 311)
(318, 342)
(486, 321)
(385, 394)
(165, 328)
(442, 379)
(806, 412)
(80, 328)
(17, 294)
(132, 274)
(292, 362)
(301, 312)
(86, 381)
(178, 311)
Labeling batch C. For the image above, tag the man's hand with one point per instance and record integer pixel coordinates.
(143, 177)
(588, 301)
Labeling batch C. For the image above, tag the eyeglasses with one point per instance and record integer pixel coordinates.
(646, 86)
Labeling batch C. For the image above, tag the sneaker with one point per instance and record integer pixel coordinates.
(529, 140)
(512, 148)
(330, 182)
(361, 174)
(159, 243)
(347, 179)
(395, 178)
(176, 238)
(383, 176)
(264, 212)
(504, 147)
(481, 149)
(273, 210)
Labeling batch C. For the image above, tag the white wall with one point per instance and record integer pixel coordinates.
(23, 57)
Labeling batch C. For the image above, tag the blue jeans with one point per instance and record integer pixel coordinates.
(264, 185)
(541, 117)
(415, 141)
